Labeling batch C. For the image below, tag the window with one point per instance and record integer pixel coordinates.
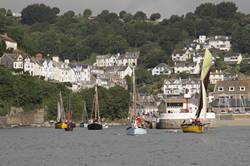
(220, 89)
(231, 88)
(242, 88)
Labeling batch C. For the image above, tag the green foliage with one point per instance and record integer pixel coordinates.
(38, 13)
(155, 16)
(87, 13)
(2, 47)
(113, 103)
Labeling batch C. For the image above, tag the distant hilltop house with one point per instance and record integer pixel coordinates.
(233, 58)
(178, 87)
(10, 43)
(162, 69)
(109, 60)
(187, 67)
(231, 96)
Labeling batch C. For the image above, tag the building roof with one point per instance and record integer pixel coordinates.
(6, 38)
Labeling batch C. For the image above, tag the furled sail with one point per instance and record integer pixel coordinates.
(207, 63)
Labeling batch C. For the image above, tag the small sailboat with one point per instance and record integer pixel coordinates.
(196, 125)
(60, 124)
(136, 125)
(96, 120)
(85, 119)
(70, 124)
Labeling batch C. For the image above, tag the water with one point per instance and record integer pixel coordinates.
(112, 147)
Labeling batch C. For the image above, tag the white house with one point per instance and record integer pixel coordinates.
(81, 71)
(183, 67)
(177, 87)
(181, 55)
(48, 70)
(124, 71)
(29, 65)
(216, 76)
(162, 69)
(18, 63)
(220, 42)
(233, 58)
(10, 43)
(127, 59)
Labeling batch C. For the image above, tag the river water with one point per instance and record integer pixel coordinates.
(228, 146)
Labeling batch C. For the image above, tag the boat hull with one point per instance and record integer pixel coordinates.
(136, 131)
(95, 126)
(194, 128)
(61, 125)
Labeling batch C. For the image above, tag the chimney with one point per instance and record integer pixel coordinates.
(55, 58)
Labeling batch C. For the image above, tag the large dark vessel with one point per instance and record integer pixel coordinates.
(96, 120)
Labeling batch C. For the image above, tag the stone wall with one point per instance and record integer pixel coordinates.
(18, 117)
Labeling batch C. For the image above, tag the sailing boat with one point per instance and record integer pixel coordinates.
(60, 124)
(135, 127)
(70, 124)
(195, 125)
(96, 121)
(85, 120)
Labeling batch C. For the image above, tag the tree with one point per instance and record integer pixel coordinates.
(122, 14)
(69, 14)
(9, 12)
(2, 47)
(206, 9)
(155, 16)
(241, 40)
(3, 11)
(87, 13)
(140, 16)
(226, 10)
(38, 13)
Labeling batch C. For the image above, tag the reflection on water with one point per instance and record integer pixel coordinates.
(112, 147)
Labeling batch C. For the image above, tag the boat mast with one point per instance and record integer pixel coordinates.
(134, 95)
(61, 106)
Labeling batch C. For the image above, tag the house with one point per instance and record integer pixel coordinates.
(233, 58)
(128, 59)
(124, 71)
(216, 76)
(62, 71)
(28, 65)
(180, 105)
(7, 60)
(220, 42)
(177, 87)
(47, 69)
(147, 104)
(187, 67)
(230, 93)
(162, 69)
(19, 61)
(10, 43)
(181, 55)
(81, 72)
(109, 60)
(106, 60)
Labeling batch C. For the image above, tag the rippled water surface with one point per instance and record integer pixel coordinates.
(112, 147)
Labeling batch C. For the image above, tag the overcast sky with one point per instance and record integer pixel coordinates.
(165, 7)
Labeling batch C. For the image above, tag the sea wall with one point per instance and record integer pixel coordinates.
(18, 117)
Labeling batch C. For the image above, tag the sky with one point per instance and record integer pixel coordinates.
(165, 7)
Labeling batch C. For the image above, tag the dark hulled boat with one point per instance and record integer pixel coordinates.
(96, 124)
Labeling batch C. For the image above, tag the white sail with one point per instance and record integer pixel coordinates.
(204, 101)
(58, 112)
